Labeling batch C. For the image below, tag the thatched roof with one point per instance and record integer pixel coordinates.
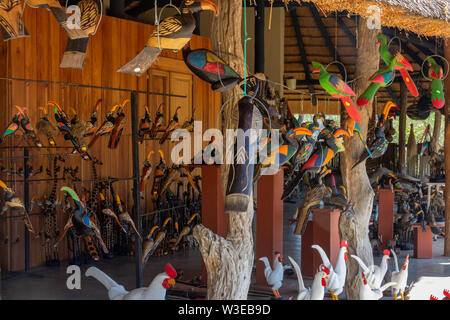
(423, 17)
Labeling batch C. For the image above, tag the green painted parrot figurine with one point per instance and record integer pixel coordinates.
(437, 91)
(337, 88)
(400, 64)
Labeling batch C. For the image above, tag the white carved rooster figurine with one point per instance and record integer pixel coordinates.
(274, 275)
(317, 290)
(155, 291)
(400, 277)
(374, 274)
(336, 280)
(366, 292)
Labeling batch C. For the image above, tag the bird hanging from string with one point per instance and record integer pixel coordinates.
(75, 51)
(46, 127)
(171, 34)
(68, 24)
(435, 72)
(11, 23)
(206, 65)
(400, 63)
(379, 146)
(15, 204)
(337, 88)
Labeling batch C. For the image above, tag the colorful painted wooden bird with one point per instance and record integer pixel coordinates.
(210, 68)
(188, 227)
(27, 127)
(91, 125)
(124, 216)
(379, 79)
(149, 245)
(119, 125)
(172, 34)
(319, 159)
(337, 88)
(60, 14)
(377, 148)
(45, 127)
(76, 49)
(159, 238)
(173, 124)
(159, 119)
(107, 210)
(83, 225)
(436, 73)
(106, 127)
(400, 63)
(145, 126)
(146, 172)
(189, 124)
(13, 126)
(15, 203)
(11, 23)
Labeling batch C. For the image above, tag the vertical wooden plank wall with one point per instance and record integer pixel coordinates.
(38, 57)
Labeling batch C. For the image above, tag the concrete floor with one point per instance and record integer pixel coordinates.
(50, 282)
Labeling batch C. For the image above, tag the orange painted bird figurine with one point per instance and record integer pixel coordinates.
(119, 125)
(173, 124)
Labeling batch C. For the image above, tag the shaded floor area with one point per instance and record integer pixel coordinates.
(50, 282)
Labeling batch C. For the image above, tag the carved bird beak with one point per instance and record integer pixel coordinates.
(171, 282)
(3, 185)
(210, 5)
(302, 131)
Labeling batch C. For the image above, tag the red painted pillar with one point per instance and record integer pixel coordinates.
(423, 243)
(385, 215)
(213, 215)
(323, 230)
(269, 221)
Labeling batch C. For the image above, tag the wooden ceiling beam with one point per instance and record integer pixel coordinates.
(302, 50)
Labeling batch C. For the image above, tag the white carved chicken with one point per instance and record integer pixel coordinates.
(400, 277)
(367, 293)
(336, 280)
(317, 290)
(374, 274)
(274, 275)
(424, 287)
(155, 291)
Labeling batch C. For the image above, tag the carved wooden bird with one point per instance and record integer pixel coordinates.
(119, 125)
(15, 203)
(173, 124)
(146, 172)
(13, 126)
(75, 51)
(27, 127)
(45, 127)
(172, 34)
(125, 216)
(91, 125)
(145, 126)
(437, 90)
(106, 127)
(188, 227)
(11, 23)
(60, 14)
(108, 211)
(189, 124)
(151, 247)
(159, 119)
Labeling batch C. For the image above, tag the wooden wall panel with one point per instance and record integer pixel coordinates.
(38, 57)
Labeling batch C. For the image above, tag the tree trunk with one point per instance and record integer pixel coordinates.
(229, 261)
(436, 131)
(447, 158)
(354, 223)
(402, 129)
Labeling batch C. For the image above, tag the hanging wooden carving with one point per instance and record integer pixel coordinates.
(11, 22)
(75, 51)
(60, 14)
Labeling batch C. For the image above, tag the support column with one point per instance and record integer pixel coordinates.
(213, 215)
(447, 158)
(323, 230)
(136, 198)
(269, 221)
(259, 36)
(423, 243)
(385, 215)
(402, 129)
